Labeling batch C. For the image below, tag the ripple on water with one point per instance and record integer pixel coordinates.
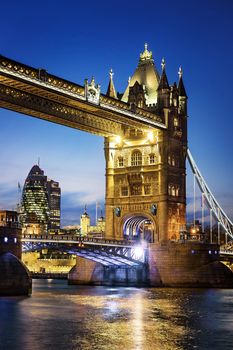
(58, 316)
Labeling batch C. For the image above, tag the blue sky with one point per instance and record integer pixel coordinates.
(76, 40)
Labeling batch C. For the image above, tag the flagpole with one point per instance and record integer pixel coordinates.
(19, 195)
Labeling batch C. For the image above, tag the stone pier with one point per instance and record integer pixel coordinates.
(94, 273)
(169, 264)
(187, 264)
(14, 276)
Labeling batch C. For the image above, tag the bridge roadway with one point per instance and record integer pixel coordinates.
(107, 252)
(99, 249)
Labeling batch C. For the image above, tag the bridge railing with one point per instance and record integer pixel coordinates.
(75, 238)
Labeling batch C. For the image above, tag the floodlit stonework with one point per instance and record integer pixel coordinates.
(145, 168)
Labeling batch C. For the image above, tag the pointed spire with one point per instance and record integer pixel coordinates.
(181, 88)
(163, 83)
(111, 92)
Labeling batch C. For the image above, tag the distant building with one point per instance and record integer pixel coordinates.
(8, 218)
(10, 233)
(54, 198)
(85, 227)
(40, 210)
(85, 224)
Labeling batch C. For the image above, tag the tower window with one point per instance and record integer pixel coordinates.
(136, 190)
(120, 162)
(152, 159)
(174, 190)
(124, 191)
(136, 158)
(176, 122)
(147, 189)
(140, 103)
(173, 161)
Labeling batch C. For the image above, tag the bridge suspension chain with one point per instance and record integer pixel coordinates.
(215, 207)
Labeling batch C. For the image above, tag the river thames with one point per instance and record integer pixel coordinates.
(58, 316)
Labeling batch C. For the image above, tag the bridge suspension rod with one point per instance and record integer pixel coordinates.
(215, 207)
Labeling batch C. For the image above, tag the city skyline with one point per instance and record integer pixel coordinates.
(72, 157)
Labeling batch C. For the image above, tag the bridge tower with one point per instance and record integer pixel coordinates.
(145, 168)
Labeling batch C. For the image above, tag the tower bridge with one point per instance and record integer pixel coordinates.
(145, 146)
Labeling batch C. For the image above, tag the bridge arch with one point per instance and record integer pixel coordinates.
(138, 227)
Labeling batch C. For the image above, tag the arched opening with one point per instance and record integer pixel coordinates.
(139, 228)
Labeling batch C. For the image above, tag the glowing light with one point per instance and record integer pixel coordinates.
(118, 139)
(150, 136)
(5, 239)
(138, 253)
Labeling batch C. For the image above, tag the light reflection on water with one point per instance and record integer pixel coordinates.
(58, 316)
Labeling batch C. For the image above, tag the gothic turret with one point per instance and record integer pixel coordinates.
(111, 92)
(137, 95)
(182, 94)
(163, 89)
(85, 222)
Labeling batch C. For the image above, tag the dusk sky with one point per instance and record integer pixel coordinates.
(77, 40)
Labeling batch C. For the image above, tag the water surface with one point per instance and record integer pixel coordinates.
(62, 317)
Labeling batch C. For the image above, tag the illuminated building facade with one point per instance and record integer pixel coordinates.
(40, 203)
(145, 169)
(86, 227)
(54, 201)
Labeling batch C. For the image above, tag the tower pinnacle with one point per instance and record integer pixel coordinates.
(146, 56)
(111, 92)
(180, 72)
(163, 83)
(181, 88)
(163, 64)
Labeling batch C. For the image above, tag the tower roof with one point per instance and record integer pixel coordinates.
(111, 92)
(85, 214)
(181, 88)
(147, 75)
(163, 83)
(36, 170)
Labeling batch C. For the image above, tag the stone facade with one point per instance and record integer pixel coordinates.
(145, 168)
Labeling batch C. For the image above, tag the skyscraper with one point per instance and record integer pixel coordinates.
(40, 203)
(54, 200)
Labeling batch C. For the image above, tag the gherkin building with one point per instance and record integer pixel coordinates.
(35, 203)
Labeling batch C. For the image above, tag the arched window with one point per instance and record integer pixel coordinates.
(173, 191)
(140, 103)
(152, 158)
(120, 162)
(136, 158)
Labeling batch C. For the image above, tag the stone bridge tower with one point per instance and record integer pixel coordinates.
(145, 169)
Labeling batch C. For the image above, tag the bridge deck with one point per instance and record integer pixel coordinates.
(74, 239)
